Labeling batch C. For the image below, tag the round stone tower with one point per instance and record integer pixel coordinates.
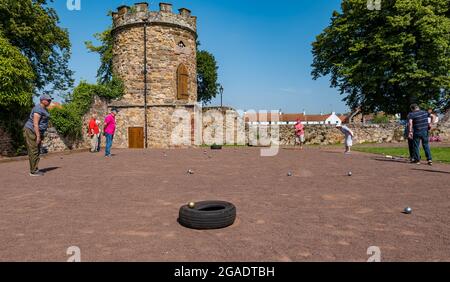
(155, 54)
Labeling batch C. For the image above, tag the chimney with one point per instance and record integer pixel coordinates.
(123, 10)
(185, 12)
(165, 7)
(142, 6)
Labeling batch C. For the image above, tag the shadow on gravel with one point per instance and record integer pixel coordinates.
(395, 160)
(48, 169)
(430, 170)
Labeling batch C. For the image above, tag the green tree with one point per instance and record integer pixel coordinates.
(385, 60)
(32, 27)
(105, 50)
(207, 86)
(16, 90)
(16, 77)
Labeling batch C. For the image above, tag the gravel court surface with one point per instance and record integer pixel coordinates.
(125, 208)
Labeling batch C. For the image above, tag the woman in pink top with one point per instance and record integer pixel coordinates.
(299, 134)
(109, 130)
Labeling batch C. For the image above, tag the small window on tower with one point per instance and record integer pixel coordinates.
(181, 44)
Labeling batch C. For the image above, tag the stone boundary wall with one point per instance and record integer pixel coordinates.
(328, 135)
(314, 134)
(6, 147)
(324, 134)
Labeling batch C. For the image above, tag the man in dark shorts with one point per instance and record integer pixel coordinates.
(418, 131)
(34, 131)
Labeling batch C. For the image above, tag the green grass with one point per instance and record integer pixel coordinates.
(440, 154)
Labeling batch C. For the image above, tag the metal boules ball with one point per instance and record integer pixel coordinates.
(191, 205)
(190, 171)
(350, 173)
(407, 210)
(289, 174)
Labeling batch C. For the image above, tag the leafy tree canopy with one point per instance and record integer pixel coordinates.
(105, 50)
(32, 27)
(384, 60)
(16, 77)
(207, 86)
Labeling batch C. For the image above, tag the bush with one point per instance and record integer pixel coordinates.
(68, 119)
(380, 119)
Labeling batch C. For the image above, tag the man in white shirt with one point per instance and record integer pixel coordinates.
(348, 137)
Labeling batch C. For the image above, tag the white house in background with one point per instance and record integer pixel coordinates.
(333, 119)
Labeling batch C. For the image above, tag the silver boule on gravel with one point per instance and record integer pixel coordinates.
(350, 173)
(407, 210)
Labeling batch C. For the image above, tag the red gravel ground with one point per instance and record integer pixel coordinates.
(125, 208)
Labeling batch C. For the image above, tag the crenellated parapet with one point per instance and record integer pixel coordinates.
(140, 13)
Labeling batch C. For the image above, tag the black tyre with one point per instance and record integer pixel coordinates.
(208, 215)
(216, 147)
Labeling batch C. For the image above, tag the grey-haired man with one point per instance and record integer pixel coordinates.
(34, 131)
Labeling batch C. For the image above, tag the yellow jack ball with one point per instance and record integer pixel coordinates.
(191, 205)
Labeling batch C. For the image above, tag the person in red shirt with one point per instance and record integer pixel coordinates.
(299, 134)
(94, 133)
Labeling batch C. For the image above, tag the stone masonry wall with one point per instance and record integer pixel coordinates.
(315, 134)
(6, 147)
(328, 135)
(165, 30)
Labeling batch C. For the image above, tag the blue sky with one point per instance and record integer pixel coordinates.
(263, 48)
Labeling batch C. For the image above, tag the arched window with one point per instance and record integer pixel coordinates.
(182, 83)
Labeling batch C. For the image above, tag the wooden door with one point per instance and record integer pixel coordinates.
(136, 137)
(182, 83)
